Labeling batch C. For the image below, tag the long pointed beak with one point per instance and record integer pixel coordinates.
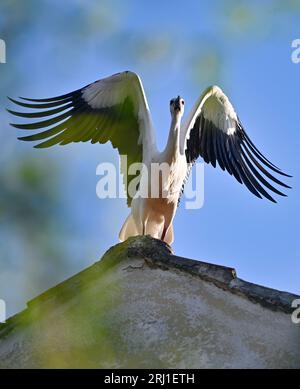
(177, 104)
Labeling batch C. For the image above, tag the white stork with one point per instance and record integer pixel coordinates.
(115, 109)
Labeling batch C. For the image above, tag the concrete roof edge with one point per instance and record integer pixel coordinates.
(222, 276)
(158, 254)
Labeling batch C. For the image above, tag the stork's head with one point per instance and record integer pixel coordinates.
(177, 106)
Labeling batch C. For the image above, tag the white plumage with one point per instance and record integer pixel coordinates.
(115, 109)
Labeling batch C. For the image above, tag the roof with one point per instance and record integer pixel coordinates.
(145, 270)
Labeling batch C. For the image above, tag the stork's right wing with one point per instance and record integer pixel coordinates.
(112, 109)
(214, 132)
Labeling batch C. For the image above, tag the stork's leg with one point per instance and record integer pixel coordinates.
(169, 238)
(166, 228)
(169, 216)
(141, 213)
(163, 235)
(144, 227)
(167, 223)
(154, 225)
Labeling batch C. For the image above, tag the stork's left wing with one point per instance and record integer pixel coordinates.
(112, 109)
(214, 132)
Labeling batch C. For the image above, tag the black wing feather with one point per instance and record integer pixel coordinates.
(235, 153)
(72, 119)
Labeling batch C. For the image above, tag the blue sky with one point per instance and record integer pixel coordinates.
(247, 52)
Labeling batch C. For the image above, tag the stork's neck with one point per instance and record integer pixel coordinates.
(172, 147)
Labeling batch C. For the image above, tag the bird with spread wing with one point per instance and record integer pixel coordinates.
(115, 109)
